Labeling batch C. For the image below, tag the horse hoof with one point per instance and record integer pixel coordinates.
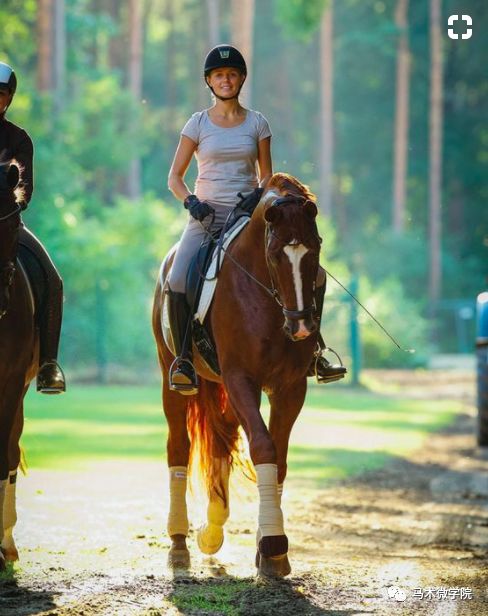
(178, 558)
(210, 538)
(10, 554)
(273, 566)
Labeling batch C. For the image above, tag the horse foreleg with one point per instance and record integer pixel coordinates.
(178, 449)
(285, 407)
(244, 396)
(12, 395)
(9, 506)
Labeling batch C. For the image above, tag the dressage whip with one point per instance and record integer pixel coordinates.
(370, 315)
(395, 342)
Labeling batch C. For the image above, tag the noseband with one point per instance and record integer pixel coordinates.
(292, 315)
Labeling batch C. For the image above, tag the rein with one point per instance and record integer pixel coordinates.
(10, 214)
(294, 315)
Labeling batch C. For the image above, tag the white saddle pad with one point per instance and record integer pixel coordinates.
(208, 289)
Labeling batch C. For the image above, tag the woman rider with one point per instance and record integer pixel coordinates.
(16, 144)
(227, 140)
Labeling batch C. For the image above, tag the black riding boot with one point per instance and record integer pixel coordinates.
(50, 378)
(182, 375)
(321, 368)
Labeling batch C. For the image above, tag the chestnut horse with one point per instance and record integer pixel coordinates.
(264, 328)
(18, 355)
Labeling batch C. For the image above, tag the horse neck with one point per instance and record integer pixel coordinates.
(8, 235)
(250, 245)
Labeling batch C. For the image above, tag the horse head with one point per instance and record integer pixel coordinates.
(292, 252)
(9, 230)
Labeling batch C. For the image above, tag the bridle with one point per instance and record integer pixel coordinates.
(292, 315)
(12, 213)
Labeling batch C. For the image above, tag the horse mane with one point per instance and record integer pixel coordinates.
(289, 185)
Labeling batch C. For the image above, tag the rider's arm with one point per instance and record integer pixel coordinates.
(264, 161)
(181, 162)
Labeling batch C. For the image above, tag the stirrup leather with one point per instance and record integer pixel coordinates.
(318, 354)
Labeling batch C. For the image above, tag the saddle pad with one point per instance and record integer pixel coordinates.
(209, 285)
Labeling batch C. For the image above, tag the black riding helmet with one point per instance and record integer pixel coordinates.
(224, 56)
(8, 80)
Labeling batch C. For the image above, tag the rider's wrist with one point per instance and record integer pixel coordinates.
(190, 200)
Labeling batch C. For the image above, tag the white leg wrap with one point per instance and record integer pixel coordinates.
(9, 515)
(280, 494)
(9, 510)
(211, 535)
(3, 486)
(178, 516)
(270, 515)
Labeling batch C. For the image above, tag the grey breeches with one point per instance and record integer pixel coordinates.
(193, 235)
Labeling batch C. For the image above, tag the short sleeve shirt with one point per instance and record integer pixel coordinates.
(226, 157)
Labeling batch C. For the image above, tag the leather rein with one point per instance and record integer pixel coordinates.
(293, 315)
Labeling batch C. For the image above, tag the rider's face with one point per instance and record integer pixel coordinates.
(225, 81)
(5, 98)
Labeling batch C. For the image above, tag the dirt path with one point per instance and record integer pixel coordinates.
(92, 542)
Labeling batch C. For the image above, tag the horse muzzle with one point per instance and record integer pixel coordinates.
(299, 324)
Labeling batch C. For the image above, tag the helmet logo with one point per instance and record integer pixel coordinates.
(224, 53)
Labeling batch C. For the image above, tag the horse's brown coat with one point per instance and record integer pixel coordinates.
(255, 354)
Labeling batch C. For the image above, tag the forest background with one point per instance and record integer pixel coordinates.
(370, 102)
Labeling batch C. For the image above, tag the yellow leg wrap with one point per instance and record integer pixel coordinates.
(178, 516)
(211, 535)
(9, 517)
(270, 518)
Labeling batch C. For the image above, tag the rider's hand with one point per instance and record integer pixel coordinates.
(249, 203)
(198, 209)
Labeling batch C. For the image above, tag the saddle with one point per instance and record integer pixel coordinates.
(35, 279)
(201, 282)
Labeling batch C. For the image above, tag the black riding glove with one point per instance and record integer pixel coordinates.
(249, 203)
(198, 209)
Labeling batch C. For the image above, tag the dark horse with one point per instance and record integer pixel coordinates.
(265, 331)
(19, 349)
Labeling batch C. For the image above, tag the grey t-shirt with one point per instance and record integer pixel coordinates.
(226, 157)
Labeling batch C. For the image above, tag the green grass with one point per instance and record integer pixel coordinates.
(339, 433)
(211, 596)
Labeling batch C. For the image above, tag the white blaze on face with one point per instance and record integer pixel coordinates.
(295, 253)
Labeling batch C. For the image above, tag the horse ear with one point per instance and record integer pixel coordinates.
(273, 214)
(13, 175)
(310, 209)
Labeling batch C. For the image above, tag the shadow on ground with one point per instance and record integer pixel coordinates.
(18, 601)
(250, 597)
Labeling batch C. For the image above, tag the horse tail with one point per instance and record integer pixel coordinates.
(214, 434)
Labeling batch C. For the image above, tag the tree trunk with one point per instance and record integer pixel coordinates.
(327, 110)
(135, 86)
(59, 54)
(45, 45)
(435, 147)
(213, 22)
(242, 25)
(401, 118)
